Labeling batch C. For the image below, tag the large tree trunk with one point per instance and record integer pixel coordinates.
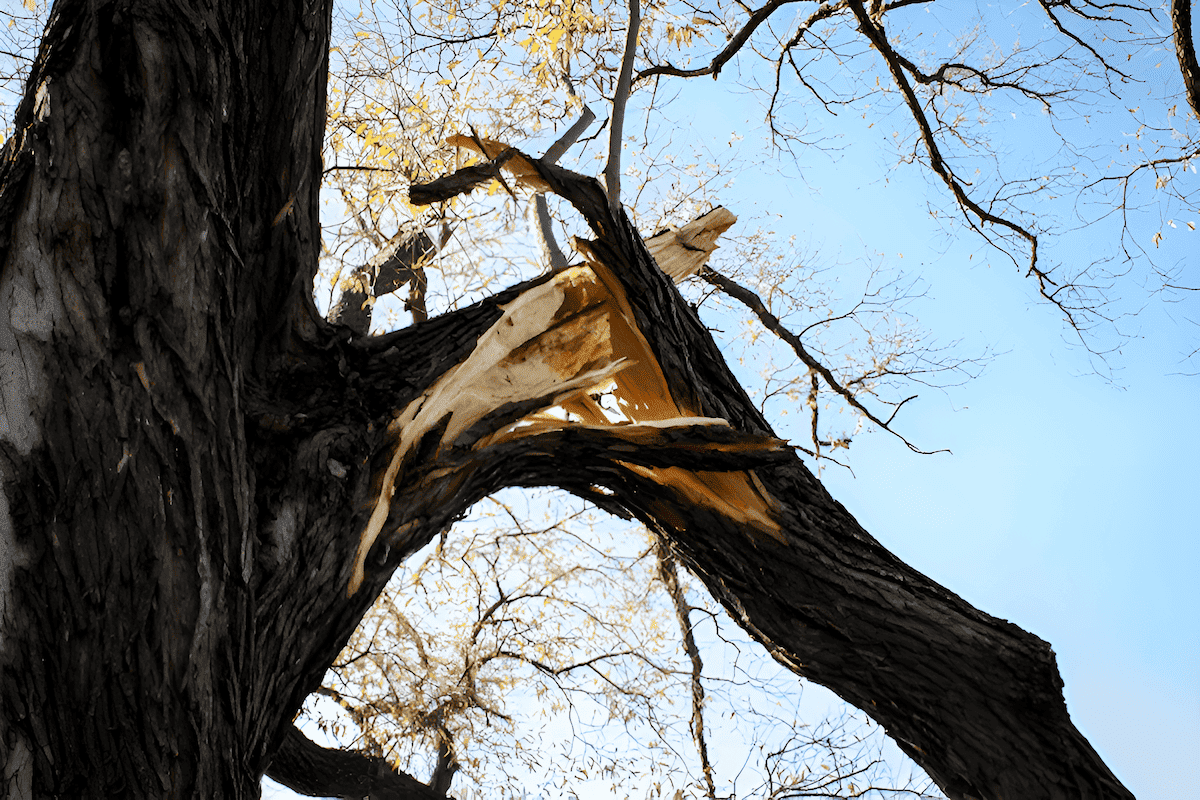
(205, 486)
(160, 198)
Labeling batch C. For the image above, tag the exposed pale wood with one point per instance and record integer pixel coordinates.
(552, 340)
(681, 252)
(555, 345)
(519, 165)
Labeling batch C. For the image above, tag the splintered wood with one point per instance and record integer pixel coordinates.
(681, 252)
(556, 348)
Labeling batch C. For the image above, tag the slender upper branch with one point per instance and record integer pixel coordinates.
(612, 171)
(875, 34)
(753, 302)
(668, 572)
(758, 17)
(541, 211)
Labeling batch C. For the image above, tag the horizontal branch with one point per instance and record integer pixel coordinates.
(757, 18)
(308, 768)
(459, 182)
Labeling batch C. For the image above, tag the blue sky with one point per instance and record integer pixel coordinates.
(1067, 504)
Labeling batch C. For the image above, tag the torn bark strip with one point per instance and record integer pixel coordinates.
(540, 367)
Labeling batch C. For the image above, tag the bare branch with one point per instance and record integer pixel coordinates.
(1048, 7)
(541, 212)
(459, 182)
(569, 138)
(740, 38)
(875, 34)
(668, 573)
(553, 254)
(769, 321)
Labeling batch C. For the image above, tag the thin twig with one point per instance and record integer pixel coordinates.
(771, 322)
(876, 36)
(757, 18)
(668, 573)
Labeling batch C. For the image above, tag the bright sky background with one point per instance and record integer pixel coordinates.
(1065, 505)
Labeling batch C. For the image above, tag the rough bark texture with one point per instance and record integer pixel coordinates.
(1185, 51)
(189, 454)
(307, 768)
(975, 700)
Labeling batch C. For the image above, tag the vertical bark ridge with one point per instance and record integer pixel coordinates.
(151, 276)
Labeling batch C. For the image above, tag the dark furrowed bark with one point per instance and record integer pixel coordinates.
(974, 700)
(1185, 52)
(305, 767)
(190, 455)
(165, 205)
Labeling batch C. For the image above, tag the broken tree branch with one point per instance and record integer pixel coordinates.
(458, 182)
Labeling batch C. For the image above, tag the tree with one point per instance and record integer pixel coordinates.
(206, 484)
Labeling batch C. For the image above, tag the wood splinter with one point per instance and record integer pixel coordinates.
(555, 345)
